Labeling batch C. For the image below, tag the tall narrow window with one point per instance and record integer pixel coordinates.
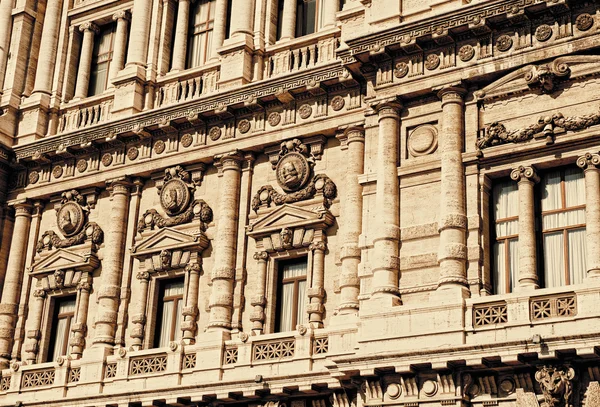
(505, 255)
(200, 32)
(169, 313)
(64, 311)
(101, 59)
(291, 294)
(307, 16)
(563, 227)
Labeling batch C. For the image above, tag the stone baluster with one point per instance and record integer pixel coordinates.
(6, 7)
(190, 311)
(387, 205)
(526, 178)
(32, 347)
(330, 8)
(48, 47)
(288, 25)
(221, 297)
(85, 59)
(181, 35)
(219, 28)
(112, 265)
(137, 51)
(120, 46)
(243, 17)
(259, 301)
(590, 163)
(139, 316)
(316, 292)
(80, 326)
(452, 255)
(353, 140)
(13, 279)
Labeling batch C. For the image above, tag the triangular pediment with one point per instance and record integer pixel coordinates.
(291, 216)
(168, 238)
(62, 259)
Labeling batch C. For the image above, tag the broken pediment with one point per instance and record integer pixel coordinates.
(290, 216)
(169, 239)
(63, 259)
(542, 77)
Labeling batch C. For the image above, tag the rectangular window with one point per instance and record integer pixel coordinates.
(291, 292)
(168, 319)
(101, 59)
(307, 13)
(505, 254)
(200, 33)
(563, 227)
(64, 311)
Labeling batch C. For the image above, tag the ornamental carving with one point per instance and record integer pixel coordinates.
(106, 159)
(584, 22)
(274, 119)
(543, 33)
(305, 111)
(548, 126)
(337, 103)
(244, 126)
(70, 216)
(152, 219)
(51, 240)
(266, 195)
(187, 140)
(159, 147)
(432, 62)
(214, 133)
(132, 153)
(175, 193)
(82, 165)
(504, 43)
(57, 171)
(466, 52)
(555, 383)
(401, 70)
(34, 177)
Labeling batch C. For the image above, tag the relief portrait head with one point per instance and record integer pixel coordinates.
(292, 172)
(175, 197)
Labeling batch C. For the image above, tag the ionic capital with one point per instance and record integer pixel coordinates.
(143, 275)
(39, 294)
(452, 94)
(388, 108)
(589, 161)
(527, 174)
(89, 26)
(229, 161)
(22, 207)
(121, 15)
(193, 268)
(261, 256)
(84, 286)
(118, 186)
(320, 246)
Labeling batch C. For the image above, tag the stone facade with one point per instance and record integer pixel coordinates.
(369, 149)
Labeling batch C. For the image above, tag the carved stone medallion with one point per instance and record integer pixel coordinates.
(133, 153)
(543, 33)
(432, 61)
(244, 126)
(401, 70)
(82, 165)
(274, 119)
(214, 133)
(292, 172)
(175, 196)
(107, 159)
(305, 111)
(187, 140)
(57, 171)
(584, 22)
(504, 43)
(466, 52)
(34, 177)
(337, 103)
(70, 218)
(159, 147)
(423, 140)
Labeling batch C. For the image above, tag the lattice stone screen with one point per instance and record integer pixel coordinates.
(38, 378)
(74, 375)
(111, 370)
(231, 356)
(152, 364)
(5, 383)
(564, 305)
(280, 349)
(490, 314)
(189, 361)
(321, 346)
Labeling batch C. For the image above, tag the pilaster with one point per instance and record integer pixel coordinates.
(590, 164)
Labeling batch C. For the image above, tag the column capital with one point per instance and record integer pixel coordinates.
(89, 26)
(452, 94)
(523, 173)
(351, 134)
(229, 161)
(320, 246)
(143, 275)
(121, 15)
(118, 186)
(21, 207)
(193, 268)
(261, 256)
(39, 293)
(387, 107)
(589, 161)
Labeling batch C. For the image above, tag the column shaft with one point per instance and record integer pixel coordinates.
(85, 60)
(181, 35)
(221, 298)
(259, 301)
(79, 328)
(242, 19)
(387, 204)
(48, 47)
(112, 265)
(13, 280)
(288, 25)
(527, 178)
(137, 52)
(452, 254)
(139, 312)
(331, 7)
(35, 321)
(6, 7)
(190, 312)
(119, 49)
(220, 27)
(164, 53)
(590, 164)
(316, 293)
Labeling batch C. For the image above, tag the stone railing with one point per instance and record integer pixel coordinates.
(89, 112)
(185, 86)
(304, 53)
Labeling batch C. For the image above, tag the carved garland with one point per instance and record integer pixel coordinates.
(152, 218)
(320, 183)
(51, 240)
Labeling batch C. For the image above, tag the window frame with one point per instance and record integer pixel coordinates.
(52, 317)
(281, 282)
(95, 57)
(207, 32)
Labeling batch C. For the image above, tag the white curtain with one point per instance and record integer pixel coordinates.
(201, 31)
(66, 310)
(577, 255)
(505, 260)
(171, 316)
(286, 313)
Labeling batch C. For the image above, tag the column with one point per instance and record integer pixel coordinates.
(181, 35)
(316, 292)
(221, 297)
(259, 300)
(331, 7)
(137, 52)
(353, 141)
(6, 7)
(387, 204)
(452, 254)
(89, 30)
(119, 48)
(590, 164)
(242, 17)
(13, 279)
(79, 327)
(139, 318)
(527, 178)
(48, 46)
(32, 346)
(164, 53)
(220, 27)
(190, 311)
(288, 25)
(112, 265)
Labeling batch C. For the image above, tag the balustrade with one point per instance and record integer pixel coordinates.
(84, 115)
(300, 56)
(186, 87)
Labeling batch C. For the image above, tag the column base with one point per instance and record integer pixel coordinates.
(236, 62)
(450, 294)
(33, 124)
(526, 287)
(378, 303)
(129, 91)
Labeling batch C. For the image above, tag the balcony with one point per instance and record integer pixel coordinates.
(185, 86)
(77, 115)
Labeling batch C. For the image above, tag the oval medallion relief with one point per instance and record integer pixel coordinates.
(423, 140)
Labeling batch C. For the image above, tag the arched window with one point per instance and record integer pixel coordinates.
(202, 22)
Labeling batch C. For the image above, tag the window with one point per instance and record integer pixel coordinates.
(505, 250)
(563, 227)
(291, 298)
(309, 17)
(101, 59)
(64, 311)
(169, 312)
(200, 32)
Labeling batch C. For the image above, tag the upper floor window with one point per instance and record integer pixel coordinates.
(168, 327)
(64, 312)
(101, 59)
(200, 33)
(291, 294)
(505, 249)
(308, 15)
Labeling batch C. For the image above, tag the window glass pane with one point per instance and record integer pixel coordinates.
(513, 263)
(200, 33)
(301, 316)
(310, 16)
(66, 306)
(61, 326)
(287, 307)
(574, 187)
(551, 191)
(563, 219)
(59, 338)
(554, 261)
(577, 255)
(165, 324)
(499, 264)
(321, 13)
(177, 316)
(294, 270)
(506, 200)
(173, 288)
